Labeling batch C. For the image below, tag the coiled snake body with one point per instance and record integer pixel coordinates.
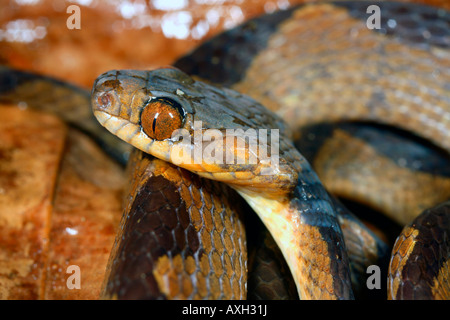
(182, 234)
(311, 64)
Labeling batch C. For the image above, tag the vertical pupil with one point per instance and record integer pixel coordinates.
(154, 122)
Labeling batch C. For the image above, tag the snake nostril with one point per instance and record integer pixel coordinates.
(105, 100)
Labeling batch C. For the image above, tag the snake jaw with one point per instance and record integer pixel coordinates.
(122, 128)
(133, 134)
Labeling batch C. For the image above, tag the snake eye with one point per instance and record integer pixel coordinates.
(161, 117)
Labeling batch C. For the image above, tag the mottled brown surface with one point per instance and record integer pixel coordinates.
(86, 213)
(109, 39)
(31, 146)
(181, 237)
(61, 98)
(112, 37)
(61, 203)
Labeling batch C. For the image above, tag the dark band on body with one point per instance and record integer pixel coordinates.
(316, 210)
(414, 23)
(401, 147)
(225, 58)
(155, 227)
(430, 255)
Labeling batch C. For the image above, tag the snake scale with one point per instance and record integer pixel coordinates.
(289, 71)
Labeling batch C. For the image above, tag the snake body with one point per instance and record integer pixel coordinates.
(294, 205)
(395, 75)
(406, 67)
(419, 266)
(195, 236)
(349, 157)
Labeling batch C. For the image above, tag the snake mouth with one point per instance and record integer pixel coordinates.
(132, 133)
(122, 128)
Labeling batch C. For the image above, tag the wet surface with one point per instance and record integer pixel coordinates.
(35, 34)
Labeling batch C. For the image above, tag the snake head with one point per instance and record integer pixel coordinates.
(127, 104)
(215, 132)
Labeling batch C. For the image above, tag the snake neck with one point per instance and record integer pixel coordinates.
(306, 229)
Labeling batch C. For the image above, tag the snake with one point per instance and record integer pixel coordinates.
(144, 108)
(305, 221)
(70, 103)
